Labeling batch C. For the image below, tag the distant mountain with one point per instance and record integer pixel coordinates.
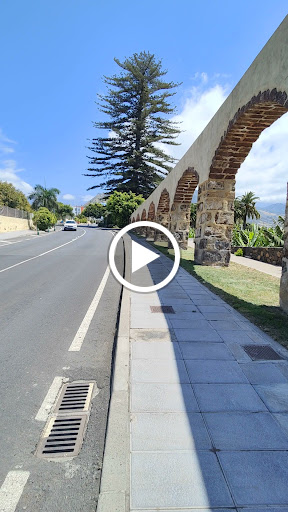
(277, 208)
(99, 198)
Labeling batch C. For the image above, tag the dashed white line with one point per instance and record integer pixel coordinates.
(11, 490)
(49, 399)
(82, 331)
(42, 254)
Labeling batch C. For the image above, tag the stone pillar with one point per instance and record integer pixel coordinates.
(215, 220)
(150, 233)
(284, 277)
(180, 223)
(163, 219)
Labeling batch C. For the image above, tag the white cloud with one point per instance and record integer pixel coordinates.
(5, 144)
(9, 173)
(265, 170)
(68, 197)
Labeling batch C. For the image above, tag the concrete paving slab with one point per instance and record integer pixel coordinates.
(283, 420)
(154, 321)
(222, 325)
(158, 370)
(243, 338)
(163, 398)
(152, 335)
(275, 396)
(227, 397)
(204, 510)
(200, 350)
(155, 350)
(250, 486)
(219, 316)
(192, 323)
(187, 479)
(215, 371)
(238, 352)
(263, 373)
(197, 335)
(212, 309)
(169, 431)
(245, 431)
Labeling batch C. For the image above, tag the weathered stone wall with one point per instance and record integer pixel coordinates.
(272, 255)
(214, 223)
(284, 277)
(8, 224)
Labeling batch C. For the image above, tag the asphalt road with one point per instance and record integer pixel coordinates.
(43, 300)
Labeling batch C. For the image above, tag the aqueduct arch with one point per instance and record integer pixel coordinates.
(180, 209)
(259, 98)
(163, 214)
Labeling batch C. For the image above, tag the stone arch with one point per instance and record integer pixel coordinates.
(143, 215)
(215, 216)
(138, 218)
(150, 232)
(163, 215)
(133, 219)
(180, 209)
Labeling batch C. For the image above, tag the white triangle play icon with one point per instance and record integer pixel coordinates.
(141, 256)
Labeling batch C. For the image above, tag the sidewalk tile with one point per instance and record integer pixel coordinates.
(143, 370)
(257, 478)
(197, 335)
(200, 350)
(245, 431)
(163, 398)
(227, 397)
(187, 479)
(220, 372)
(191, 323)
(213, 309)
(262, 373)
(155, 350)
(169, 431)
(222, 325)
(238, 336)
(152, 335)
(282, 418)
(274, 396)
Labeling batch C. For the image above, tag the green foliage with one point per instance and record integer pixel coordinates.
(94, 210)
(191, 232)
(121, 205)
(244, 208)
(64, 211)
(81, 219)
(193, 214)
(43, 197)
(239, 252)
(256, 236)
(129, 157)
(12, 197)
(44, 219)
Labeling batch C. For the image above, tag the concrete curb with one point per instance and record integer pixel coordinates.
(115, 480)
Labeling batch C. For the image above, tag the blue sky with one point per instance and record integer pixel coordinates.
(55, 53)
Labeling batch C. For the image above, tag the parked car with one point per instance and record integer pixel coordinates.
(70, 225)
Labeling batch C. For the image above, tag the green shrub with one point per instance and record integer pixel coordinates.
(44, 219)
(239, 252)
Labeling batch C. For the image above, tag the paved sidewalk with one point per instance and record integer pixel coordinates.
(209, 426)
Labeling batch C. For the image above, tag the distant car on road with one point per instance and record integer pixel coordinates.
(70, 225)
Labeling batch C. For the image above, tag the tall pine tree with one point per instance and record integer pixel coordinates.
(137, 103)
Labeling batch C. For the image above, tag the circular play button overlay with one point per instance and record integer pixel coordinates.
(142, 256)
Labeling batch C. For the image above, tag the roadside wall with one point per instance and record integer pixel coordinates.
(272, 255)
(12, 224)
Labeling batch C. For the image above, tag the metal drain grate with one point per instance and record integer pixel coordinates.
(162, 309)
(62, 437)
(261, 353)
(74, 397)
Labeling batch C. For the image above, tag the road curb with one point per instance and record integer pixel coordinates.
(115, 480)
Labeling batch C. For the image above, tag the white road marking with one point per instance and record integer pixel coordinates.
(11, 490)
(42, 254)
(49, 399)
(82, 331)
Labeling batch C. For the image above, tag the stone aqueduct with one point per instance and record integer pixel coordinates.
(212, 162)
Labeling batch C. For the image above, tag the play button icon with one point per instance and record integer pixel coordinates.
(141, 256)
(138, 256)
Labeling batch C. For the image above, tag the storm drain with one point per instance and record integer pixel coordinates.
(62, 437)
(162, 309)
(261, 353)
(74, 397)
(64, 432)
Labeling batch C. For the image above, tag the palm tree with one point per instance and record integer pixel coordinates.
(246, 204)
(45, 197)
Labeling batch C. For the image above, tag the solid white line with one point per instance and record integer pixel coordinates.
(49, 399)
(82, 331)
(43, 254)
(11, 490)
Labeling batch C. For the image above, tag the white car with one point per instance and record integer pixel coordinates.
(70, 225)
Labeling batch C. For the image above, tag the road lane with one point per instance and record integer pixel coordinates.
(42, 305)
